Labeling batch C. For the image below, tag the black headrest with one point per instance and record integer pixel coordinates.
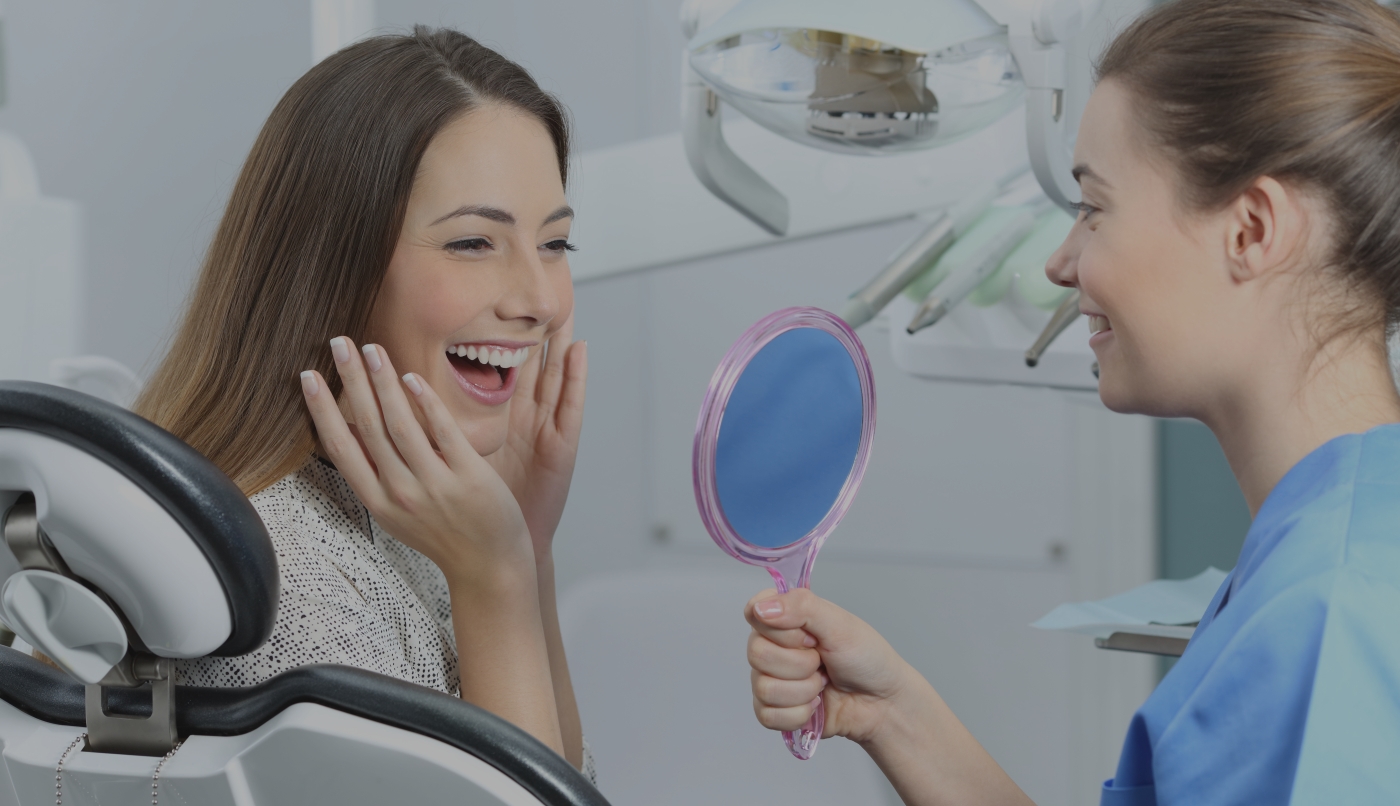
(204, 501)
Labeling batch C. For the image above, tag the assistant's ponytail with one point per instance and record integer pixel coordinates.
(1306, 91)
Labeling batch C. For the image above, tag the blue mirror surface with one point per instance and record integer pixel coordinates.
(789, 437)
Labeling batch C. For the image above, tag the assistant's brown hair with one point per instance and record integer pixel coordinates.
(303, 245)
(1306, 91)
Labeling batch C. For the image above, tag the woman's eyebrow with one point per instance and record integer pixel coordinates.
(501, 216)
(492, 213)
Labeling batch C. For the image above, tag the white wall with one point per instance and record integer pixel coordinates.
(142, 111)
(614, 62)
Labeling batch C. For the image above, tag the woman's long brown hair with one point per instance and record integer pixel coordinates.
(303, 245)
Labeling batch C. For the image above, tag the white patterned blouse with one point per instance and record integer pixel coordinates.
(350, 594)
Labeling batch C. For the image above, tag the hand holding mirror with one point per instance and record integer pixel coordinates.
(780, 447)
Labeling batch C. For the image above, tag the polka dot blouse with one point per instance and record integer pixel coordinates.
(350, 594)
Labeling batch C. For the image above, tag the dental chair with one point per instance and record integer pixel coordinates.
(125, 549)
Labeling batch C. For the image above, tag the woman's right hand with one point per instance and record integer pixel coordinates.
(803, 647)
(441, 498)
(437, 496)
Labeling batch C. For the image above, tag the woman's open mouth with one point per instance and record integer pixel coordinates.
(487, 371)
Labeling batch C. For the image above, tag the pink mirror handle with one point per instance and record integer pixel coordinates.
(803, 741)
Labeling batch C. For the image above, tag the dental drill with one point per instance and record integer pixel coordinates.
(968, 275)
(918, 255)
(1063, 317)
(926, 248)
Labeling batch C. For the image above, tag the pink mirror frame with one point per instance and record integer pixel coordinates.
(790, 565)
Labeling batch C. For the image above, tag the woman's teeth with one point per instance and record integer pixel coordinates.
(1098, 324)
(490, 356)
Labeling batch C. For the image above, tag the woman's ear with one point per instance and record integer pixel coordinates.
(1265, 227)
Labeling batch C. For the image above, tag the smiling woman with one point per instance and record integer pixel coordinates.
(407, 195)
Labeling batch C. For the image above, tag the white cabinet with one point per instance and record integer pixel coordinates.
(40, 269)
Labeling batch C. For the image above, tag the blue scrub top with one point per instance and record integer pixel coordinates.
(1289, 692)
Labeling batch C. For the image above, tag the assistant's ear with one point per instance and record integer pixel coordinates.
(1265, 228)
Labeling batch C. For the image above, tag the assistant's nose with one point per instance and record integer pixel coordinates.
(1063, 267)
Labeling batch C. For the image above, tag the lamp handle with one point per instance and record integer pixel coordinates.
(717, 166)
(1037, 39)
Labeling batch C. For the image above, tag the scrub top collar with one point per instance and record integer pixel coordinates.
(1311, 478)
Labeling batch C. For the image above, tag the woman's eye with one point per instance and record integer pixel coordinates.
(561, 246)
(1083, 210)
(469, 245)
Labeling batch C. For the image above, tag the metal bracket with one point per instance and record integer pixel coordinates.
(1149, 644)
(27, 540)
(154, 735)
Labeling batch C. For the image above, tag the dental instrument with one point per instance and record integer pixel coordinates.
(1022, 274)
(965, 278)
(913, 260)
(1063, 317)
(916, 257)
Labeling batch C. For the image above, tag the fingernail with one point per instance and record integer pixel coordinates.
(340, 350)
(770, 608)
(411, 381)
(372, 357)
(816, 701)
(808, 640)
(309, 387)
(825, 680)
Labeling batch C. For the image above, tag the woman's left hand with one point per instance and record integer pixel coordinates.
(546, 417)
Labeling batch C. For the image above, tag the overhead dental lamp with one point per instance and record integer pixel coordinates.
(873, 77)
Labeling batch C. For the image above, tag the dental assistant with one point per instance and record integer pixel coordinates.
(1238, 254)
(379, 352)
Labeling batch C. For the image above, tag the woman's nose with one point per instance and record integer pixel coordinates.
(1063, 267)
(532, 295)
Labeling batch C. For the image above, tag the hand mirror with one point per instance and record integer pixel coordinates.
(780, 447)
